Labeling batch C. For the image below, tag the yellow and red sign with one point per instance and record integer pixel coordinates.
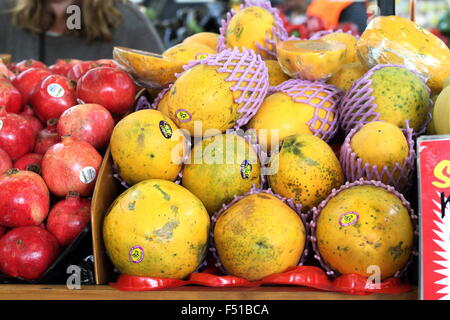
(434, 216)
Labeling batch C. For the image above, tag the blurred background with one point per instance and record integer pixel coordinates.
(178, 19)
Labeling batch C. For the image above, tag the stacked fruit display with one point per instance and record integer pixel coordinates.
(256, 147)
(330, 127)
(54, 124)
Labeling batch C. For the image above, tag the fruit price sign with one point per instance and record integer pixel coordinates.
(434, 197)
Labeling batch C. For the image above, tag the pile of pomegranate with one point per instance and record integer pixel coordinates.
(55, 124)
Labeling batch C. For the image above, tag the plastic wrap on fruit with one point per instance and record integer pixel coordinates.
(396, 40)
(311, 59)
(147, 69)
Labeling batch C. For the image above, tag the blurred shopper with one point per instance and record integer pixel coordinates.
(46, 30)
(330, 12)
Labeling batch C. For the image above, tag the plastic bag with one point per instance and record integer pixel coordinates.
(396, 40)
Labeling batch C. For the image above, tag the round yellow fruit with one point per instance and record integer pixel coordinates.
(248, 27)
(350, 42)
(206, 38)
(380, 144)
(147, 145)
(156, 229)
(280, 116)
(441, 112)
(219, 168)
(163, 105)
(306, 170)
(347, 75)
(258, 236)
(447, 82)
(276, 74)
(362, 227)
(202, 95)
(400, 95)
(311, 59)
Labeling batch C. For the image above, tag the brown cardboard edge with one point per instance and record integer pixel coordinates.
(106, 191)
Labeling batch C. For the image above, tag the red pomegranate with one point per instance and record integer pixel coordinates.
(2, 231)
(17, 137)
(24, 199)
(68, 218)
(78, 70)
(28, 64)
(53, 96)
(27, 110)
(27, 252)
(109, 87)
(87, 122)
(71, 165)
(5, 162)
(62, 66)
(107, 63)
(35, 123)
(10, 97)
(47, 137)
(27, 82)
(30, 162)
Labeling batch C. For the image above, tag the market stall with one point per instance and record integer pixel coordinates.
(252, 163)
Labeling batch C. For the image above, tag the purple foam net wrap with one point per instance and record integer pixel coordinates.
(317, 210)
(142, 103)
(289, 202)
(248, 73)
(279, 33)
(300, 91)
(400, 176)
(159, 97)
(261, 155)
(358, 105)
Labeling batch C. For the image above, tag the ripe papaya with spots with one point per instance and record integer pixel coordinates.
(156, 228)
(209, 39)
(306, 170)
(398, 95)
(259, 235)
(219, 168)
(249, 28)
(147, 145)
(347, 75)
(380, 144)
(365, 226)
(276, 74)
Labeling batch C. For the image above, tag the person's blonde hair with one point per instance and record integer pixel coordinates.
(99, 17)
